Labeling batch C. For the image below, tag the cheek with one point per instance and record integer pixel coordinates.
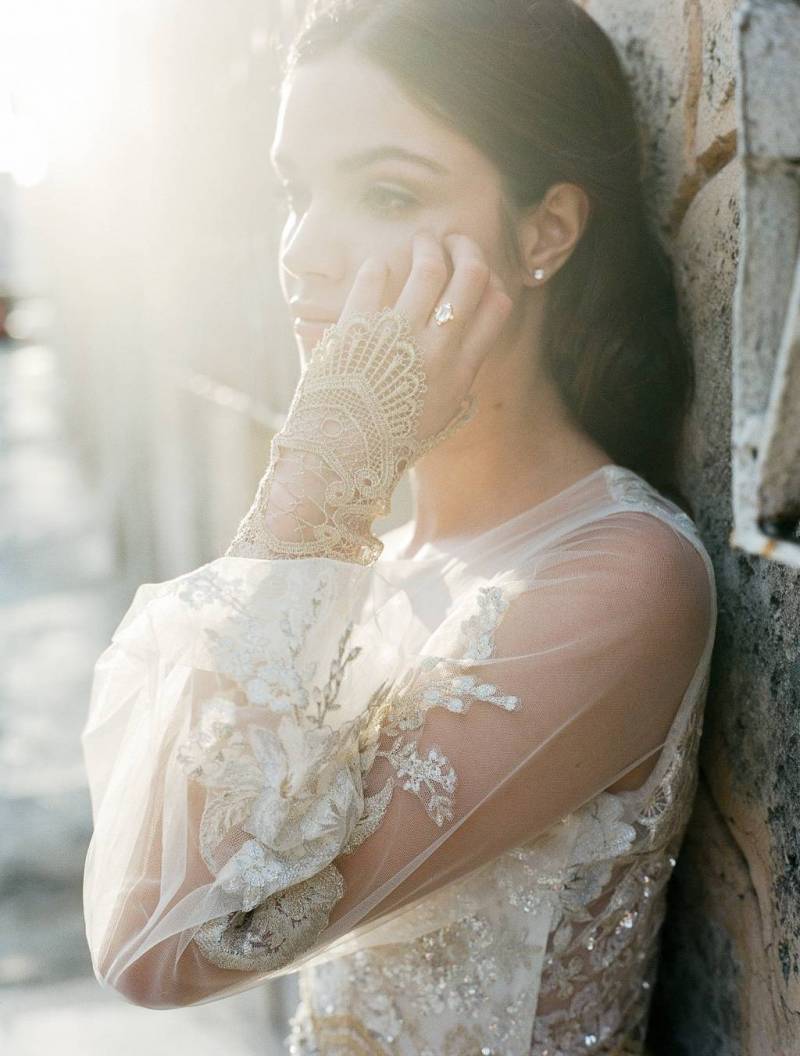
(483, 226)
(398, 253)
(390, 244)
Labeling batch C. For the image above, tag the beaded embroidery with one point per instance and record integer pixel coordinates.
(286, 796)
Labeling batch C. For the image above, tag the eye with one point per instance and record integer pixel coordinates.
(388, 201)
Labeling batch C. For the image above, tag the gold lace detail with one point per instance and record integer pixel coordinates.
(350, 433)
(273, 934)
(288, 788)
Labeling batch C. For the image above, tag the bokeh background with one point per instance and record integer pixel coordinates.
(146, 358)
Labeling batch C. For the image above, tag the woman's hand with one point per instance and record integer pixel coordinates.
(453, 352)
(384, 385)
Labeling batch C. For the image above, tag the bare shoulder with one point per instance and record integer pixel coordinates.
(662, 572)
(628, 571)
(655, 546)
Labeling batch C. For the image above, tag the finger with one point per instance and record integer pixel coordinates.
(486, 325)
(428, 277)
(464, 291)
(368, 289)
(471, 274)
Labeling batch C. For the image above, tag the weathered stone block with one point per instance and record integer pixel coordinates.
(715, 134)
(659, 46)
(705, 255)
(704, 963)
(769, 38)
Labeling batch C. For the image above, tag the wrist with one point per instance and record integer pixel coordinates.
(305, 507)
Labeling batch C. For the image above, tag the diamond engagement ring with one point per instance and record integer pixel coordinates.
(444, 313)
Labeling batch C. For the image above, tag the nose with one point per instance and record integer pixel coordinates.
(312, 248)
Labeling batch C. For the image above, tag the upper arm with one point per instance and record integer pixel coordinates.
(599, 648)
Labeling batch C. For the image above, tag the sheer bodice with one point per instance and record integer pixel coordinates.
(554, 948)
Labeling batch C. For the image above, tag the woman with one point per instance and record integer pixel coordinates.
(443, 773)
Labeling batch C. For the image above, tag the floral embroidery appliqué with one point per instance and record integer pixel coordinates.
(285, 792)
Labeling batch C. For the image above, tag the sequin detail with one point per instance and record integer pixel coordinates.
(596, 986)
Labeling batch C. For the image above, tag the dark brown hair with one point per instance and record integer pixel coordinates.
(537, 86)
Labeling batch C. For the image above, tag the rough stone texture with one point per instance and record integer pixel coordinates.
(658, 45)
(714, 138)
(765, 456)
(771, 40)
(705, 255)
(729, 983)
(697, 1011)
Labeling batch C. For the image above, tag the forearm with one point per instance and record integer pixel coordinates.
(157, 977)
(301, 508)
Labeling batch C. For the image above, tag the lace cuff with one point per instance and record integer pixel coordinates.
(350, 433)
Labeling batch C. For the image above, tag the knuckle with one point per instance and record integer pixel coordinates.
(476, 270)
(431, 267)
(372, 269)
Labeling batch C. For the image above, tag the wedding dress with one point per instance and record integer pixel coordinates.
(392, 774)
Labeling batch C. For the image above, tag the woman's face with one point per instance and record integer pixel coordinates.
(363, 168)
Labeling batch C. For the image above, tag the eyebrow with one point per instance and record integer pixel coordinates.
(353, 162)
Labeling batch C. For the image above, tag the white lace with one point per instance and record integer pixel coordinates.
(282, 870)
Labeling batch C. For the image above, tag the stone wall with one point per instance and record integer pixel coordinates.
(730, 975)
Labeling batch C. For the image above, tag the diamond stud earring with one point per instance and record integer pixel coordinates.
(538, 273)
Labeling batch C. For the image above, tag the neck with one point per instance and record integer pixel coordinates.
(519, 449)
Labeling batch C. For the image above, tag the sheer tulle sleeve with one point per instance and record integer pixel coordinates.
(283, 755)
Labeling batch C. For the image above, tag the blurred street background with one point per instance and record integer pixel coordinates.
(146, 358)
(62, 593)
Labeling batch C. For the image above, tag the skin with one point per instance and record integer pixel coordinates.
(396, 233)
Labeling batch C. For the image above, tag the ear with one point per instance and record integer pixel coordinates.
(550, 230)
